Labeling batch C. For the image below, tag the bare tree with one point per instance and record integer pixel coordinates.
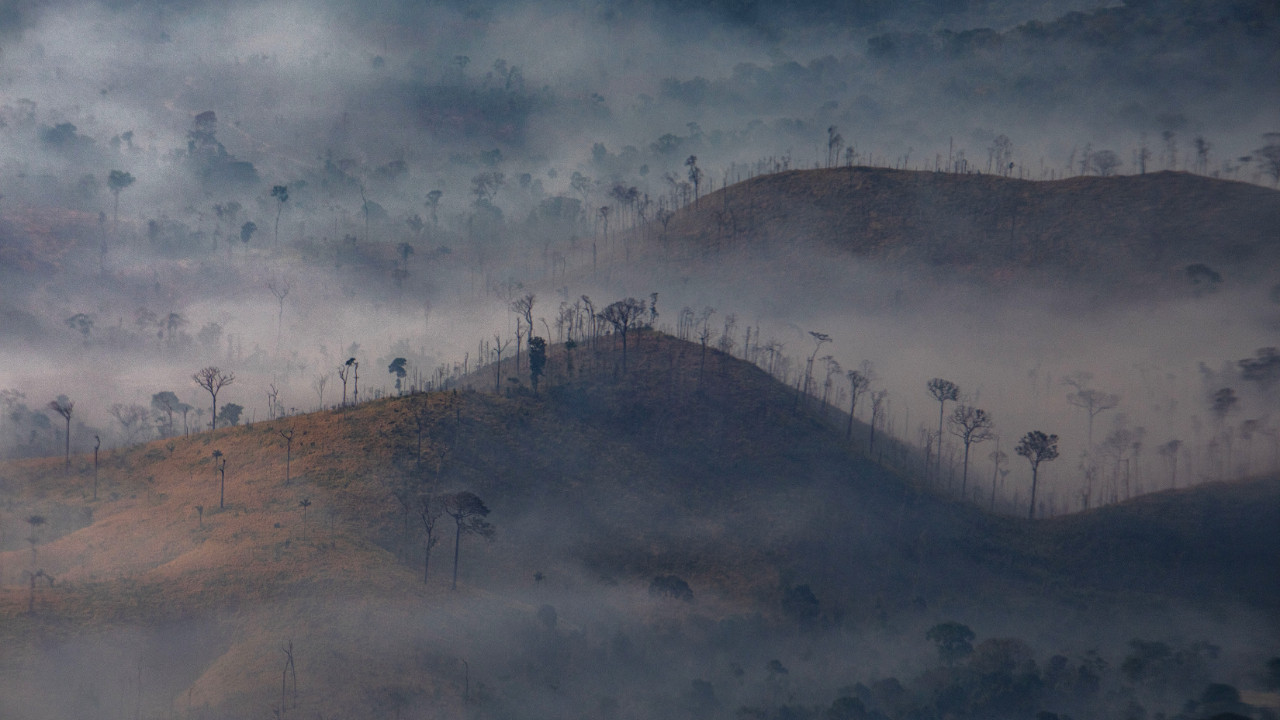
(220, 464)
(859, 382)
(279, 287)
(998, 459)
(468, 512)
(1169, 451)
(972, 425)
(97, 443)
(523, 308)
(430, 510)
(213, 380)
(133, 420)
(877, 407)
(287, 434)
(819, 339)
(33, 577)
(622, 315)
(64, 407)
(498, 347)
(695, 176)
(942, 391)
(318, 384)
(353, 366)
(1093, 402)
(344, 371)
(1269, 156)
(1036, 447)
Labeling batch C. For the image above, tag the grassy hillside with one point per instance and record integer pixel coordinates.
(1133, 229)
(699, 467)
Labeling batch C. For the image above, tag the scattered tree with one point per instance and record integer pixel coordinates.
(35, 576)
(344, 371)
(859, 381)
(397, 369)
(304, 503)
(279, 287)
(537, 360)
(1269, 156)
(230, 414)
(97, 443)
(133, 420)
(1105, 162)
(63, 407)
(117, 180)
(877, 406)
(287, 434)
(213, 380)
(281, 194)
(354, 366)
(431, 508)
(622, 315)
(1169, 451)
(972, 425)
(942, 391)
(954, 641)
(1093, 402)
(165, 403)
(468, 512)
(695, 176)
(1036, 447)
(220, 464)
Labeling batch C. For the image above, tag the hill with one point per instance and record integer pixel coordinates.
(1133, 230)
(684, 520)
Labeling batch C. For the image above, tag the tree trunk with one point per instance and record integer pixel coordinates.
(1031, 514)
(457, 541)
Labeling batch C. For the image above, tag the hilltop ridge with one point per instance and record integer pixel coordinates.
(1118, 230)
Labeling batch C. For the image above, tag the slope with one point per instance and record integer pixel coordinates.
(687, 463)
(1134, 230)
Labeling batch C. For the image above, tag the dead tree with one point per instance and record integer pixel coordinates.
(523, 308)
(97, 443)
(972, 425)
(877, 407)
(63, 407)
(220, 464)
(942, 391)
(859, 381)
(819, 339)
(1093, 402)
(468, 512)
(290, 672)
(35, 576)
(212, 380)
(288, 451)
(498, 347)
(430, 510)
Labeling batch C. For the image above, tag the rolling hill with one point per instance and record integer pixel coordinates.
(690, 466)
(1134, 231)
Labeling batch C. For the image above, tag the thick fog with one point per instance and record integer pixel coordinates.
(518, 116)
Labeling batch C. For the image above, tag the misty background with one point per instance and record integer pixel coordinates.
(441, 160)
